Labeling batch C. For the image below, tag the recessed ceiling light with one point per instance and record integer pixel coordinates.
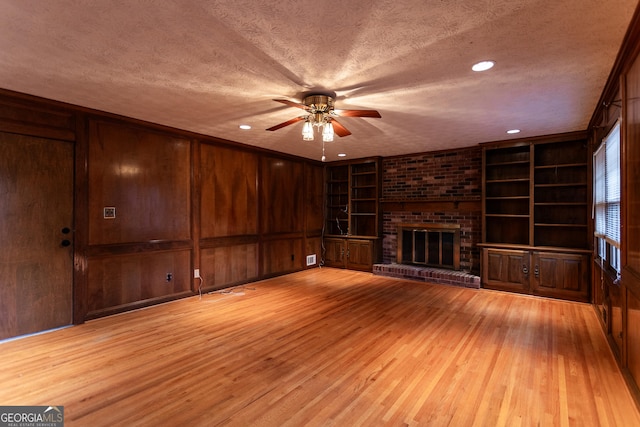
(342, 155)
(483, 65)
(245, 127)
(512, 131)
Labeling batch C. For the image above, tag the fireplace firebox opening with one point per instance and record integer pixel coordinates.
(433, 245)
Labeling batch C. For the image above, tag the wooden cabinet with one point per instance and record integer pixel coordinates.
(550, 274)
(536, 233)
(351, 253)
(353, 222)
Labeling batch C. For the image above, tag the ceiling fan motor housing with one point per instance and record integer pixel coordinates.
(319, 103)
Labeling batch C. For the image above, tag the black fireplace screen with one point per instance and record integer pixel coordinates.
(430, 247)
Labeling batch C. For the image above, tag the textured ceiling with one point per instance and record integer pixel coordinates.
(209, 66)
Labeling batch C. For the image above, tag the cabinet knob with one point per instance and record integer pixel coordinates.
(536, 271)
(525, 269)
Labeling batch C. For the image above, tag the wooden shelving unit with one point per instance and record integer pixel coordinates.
(507, 194)
(353, 222)
(561, 173)
(337, 202)
(535, 232)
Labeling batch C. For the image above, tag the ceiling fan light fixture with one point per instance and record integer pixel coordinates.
(307, 131)
(320, 113)
(483, 66)
(327, 132)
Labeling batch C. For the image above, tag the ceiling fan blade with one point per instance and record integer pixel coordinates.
(287, 123)
(339, 129)
(358, 113)
(292, 104)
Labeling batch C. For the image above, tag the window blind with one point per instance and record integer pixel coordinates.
(606, 188)
(599, 191)
(612, 178)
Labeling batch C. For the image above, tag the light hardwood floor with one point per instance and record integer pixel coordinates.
(328, 347)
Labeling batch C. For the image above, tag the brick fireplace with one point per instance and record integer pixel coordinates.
(430, 253)
(438, 188)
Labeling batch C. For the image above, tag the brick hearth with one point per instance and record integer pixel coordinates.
(428, 274)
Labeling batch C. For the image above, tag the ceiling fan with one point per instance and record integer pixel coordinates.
(321, 113)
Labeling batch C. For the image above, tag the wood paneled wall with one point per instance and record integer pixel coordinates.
(282, 196)
(630, 164)
(314, 201)
(182, 201)
(314, 210)
(118, 281)
(229, 192)
(145, 176)
(618, 299)
(229, 232)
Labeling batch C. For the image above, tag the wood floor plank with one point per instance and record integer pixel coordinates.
(328, 347)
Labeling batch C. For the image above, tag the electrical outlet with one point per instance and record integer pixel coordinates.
(196, 273)
(109, 212)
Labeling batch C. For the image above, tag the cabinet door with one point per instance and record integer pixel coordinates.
(561, 275)
(334, 253)
(504, 269)
(360, 254)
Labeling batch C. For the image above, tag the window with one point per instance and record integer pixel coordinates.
(606, 199)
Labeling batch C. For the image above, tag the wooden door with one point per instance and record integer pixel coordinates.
(506, 270)
(36, 212)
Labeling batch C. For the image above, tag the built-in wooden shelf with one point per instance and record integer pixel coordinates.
(536, 196)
